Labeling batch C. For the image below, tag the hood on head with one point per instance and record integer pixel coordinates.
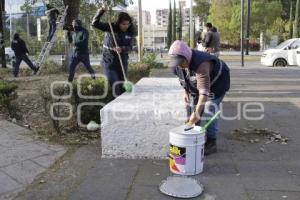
(180, 48)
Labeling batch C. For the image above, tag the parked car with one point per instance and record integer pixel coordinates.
(9, 53)
(286, 53)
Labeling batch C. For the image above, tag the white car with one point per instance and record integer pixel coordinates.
(9, 53)
(286, 53)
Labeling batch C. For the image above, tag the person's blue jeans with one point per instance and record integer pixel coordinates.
(115, 76)
(76, 59)
(19, 59)
(52, 29)
(212, 106)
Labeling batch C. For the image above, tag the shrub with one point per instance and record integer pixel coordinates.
(7, 95)
(149, 59)
(51, 67)
(136, 71)
(89, 87)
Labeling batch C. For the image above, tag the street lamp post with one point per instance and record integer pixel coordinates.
(242, 33)
(248, 26)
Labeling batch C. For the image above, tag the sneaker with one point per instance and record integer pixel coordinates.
(37, 69)
(210, 146)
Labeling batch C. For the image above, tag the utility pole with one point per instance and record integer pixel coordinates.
(192, 34)
(2, 47)
(248, 26)
(10, 21)
(242, 33)
(140, 31)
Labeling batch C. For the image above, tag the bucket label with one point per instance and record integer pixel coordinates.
(177, 157)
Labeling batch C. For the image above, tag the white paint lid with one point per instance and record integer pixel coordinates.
(196, 130)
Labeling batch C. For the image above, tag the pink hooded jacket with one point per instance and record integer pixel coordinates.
(181, 48)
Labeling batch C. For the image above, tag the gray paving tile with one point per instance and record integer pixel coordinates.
(48, 160)
(224, 189)
(11, 127)
(24, 172)
(21, 153)
(52, 147)
(12, 194)
(7, 184)
(265, 176)
(110, 179)
(11, 140)
(152, 172)
(274, 195)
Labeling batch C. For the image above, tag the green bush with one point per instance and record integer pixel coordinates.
(7, 95)
(51, 67)
(89, 87)
(149, 59)
(136, 71)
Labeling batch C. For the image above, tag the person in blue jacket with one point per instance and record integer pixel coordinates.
(125, 34)
(79, 37)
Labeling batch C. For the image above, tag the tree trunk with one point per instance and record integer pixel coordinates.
(296, 22)
(73, 12)
(2, 47)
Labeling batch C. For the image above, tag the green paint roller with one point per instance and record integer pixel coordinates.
(210, 121)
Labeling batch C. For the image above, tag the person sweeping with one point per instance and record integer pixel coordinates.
(205, 80)
(118, 42)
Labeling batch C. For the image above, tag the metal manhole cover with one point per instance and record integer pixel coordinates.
(181, 187)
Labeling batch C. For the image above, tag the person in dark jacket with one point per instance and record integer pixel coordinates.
(19, 47)
(211, 40)
(52, 14)
(125, 33)
(79, 37)
(205, 80)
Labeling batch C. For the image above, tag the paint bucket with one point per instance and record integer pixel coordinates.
(186, 154)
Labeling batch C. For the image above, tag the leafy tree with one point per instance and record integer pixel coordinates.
(229, 11)
(201, 9)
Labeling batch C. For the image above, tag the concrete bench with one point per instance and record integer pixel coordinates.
(137, 125)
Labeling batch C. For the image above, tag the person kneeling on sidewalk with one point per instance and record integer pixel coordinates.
(80, 39)
(205, 80)
(19, 47)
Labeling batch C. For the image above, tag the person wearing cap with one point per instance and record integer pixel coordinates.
(205, 80)
(79, 37)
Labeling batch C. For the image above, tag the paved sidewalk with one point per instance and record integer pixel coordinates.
(22, 158)
(239, 171)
